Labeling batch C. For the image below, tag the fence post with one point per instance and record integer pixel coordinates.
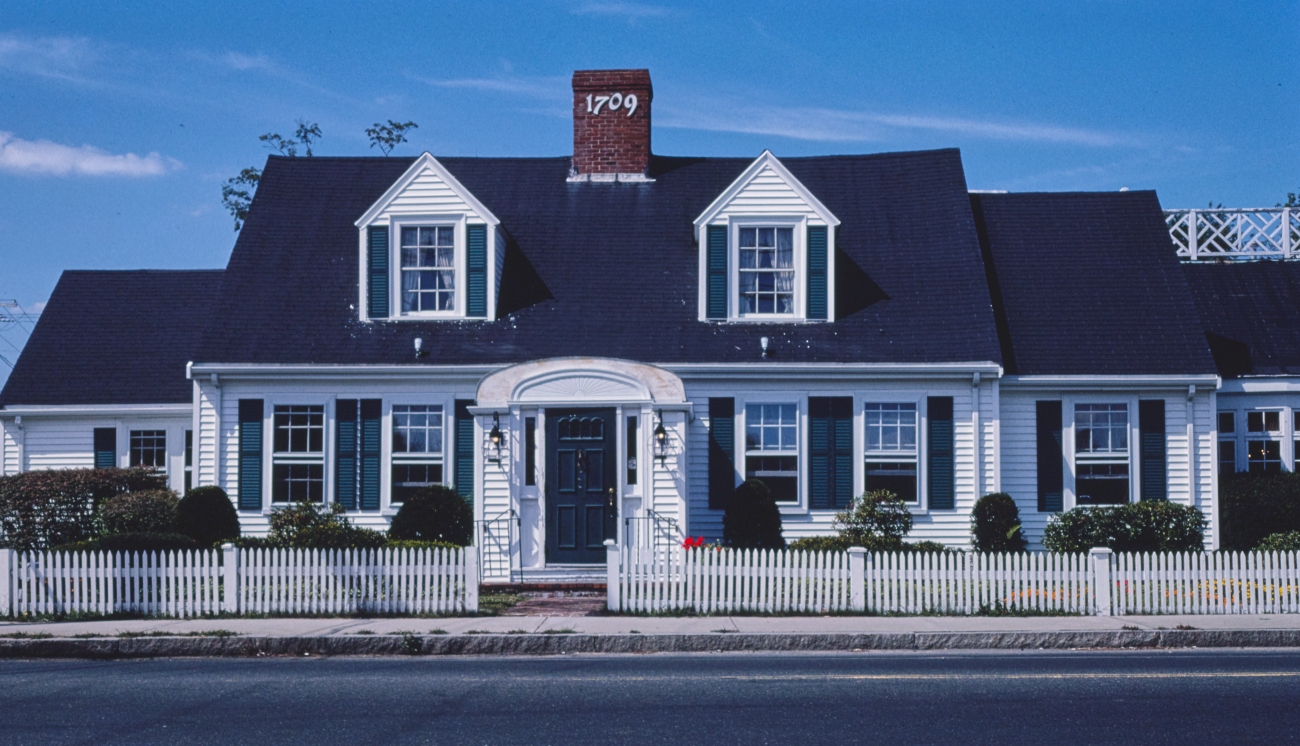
(230, 568)
(7, 567)
(1102, 587)
(857, 579)
(471, 579)
(613, 558)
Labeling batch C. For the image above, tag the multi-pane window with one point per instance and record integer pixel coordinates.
(298, 454)
(149, 448)
(1263, 441)
(428, 268)
(417, 448)
(1101, 454)
(890, 449)
(766, 271)
(772, 448)
(1227, 442)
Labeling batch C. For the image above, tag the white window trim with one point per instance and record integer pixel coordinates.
(882, 457)
(1287, 436)
(458, 221)
(800, 402)
(274, 457)
(388, 457)
(799, 231)
(1068, 429)
(269, 403)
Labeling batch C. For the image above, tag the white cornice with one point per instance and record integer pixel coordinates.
(426, 161)
(834, 371)
(1145, 382)
(273, 370)
(96, 410)
(763, 161)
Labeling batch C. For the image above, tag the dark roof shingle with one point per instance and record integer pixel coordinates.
(1251, 313)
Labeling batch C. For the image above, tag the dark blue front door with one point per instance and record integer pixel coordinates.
(581, 485)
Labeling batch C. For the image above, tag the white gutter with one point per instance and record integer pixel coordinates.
(99, 410)
(857, 371)
(273, 370)
(1145, 382)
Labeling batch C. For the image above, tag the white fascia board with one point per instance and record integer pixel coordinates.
(746, 176)
(353, 372)
(426, 161)
(1261, 385)
(96, 410)
(1104, 383)
(838, 371)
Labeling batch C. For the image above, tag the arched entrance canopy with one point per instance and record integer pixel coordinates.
(580, 380)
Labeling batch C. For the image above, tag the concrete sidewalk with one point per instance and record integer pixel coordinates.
(556, 635)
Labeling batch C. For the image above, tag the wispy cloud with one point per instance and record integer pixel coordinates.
(60, 57)
(46, 157)
(831, 125)
(630, 11)
(553, 88)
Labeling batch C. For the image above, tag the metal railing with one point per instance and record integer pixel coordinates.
(651, 531)
(1218, 234)
(498, 549)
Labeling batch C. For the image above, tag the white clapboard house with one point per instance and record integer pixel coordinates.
(603, 345)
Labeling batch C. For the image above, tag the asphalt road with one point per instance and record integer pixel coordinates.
(1188, 697)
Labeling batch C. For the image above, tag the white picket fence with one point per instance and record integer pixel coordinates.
(711, 580)
(239, 581)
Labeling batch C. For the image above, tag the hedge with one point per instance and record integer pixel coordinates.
(1254, 505)
(1150, 526)
(41, 509)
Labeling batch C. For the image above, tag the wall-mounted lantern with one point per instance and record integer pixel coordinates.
(661, 439)
(495, 439)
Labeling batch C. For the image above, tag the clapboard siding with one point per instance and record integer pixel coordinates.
(668, 480)
(1019, 426)
(10, 453)
(1203, 415)
(768, 194)
(952, 527)
(428, 193)
(63, 443)
(205, 437)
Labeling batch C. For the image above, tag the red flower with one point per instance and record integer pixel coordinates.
(689, 543)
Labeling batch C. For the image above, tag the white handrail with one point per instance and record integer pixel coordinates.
(1242, 233)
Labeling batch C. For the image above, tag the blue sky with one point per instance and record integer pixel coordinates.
(119, 122)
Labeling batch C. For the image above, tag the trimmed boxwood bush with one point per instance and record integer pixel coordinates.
(876, 521)
(40, 509)
(1254, 505)
(147, 512)
(313, 526)
(752, 519)
(820, 544)
(435, 513)
(1287, 542)
(995, 524)
(207, 516)
(145, 541)
(1152, 526)
(413, 544)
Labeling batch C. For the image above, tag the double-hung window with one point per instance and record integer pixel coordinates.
(417, 449)
(1264, 441)
(1101, 454)
(1227, 442)
(772, 448)
(890, 449)
(149, 449)
(428, 268)
(766, 271)
(298, 454)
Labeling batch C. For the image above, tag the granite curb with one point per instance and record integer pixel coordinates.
(497, 644)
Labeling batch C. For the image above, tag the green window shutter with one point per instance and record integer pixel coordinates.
(830, 451)
(371, 413)
(1051, 458)
(476, 298)
(942, 479)
(105, 447)
(464, 450)
(716, 275)
(722, 452)
(1151, 449)
(345, 453)
(377, 264)
(250, 454)
(817, 264)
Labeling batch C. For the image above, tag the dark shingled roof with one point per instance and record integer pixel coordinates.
(1251, 315)
(610, 269)
(1088, 283)
(115, 338)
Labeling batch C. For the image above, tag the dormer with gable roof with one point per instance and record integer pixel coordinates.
(429, 250)
(767, 250)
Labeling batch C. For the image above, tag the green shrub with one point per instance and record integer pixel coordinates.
(877, 521)
(1287, 542)
(820, 544)
(1254, 505)
(313, 526)
(40, 509)
(927, 547)
(1151, 526)
(435, 513)
(147, 512)
(995, 524)
(414, 544)
(206, 515)
(752, 519)
(252, 542)
(142, 541)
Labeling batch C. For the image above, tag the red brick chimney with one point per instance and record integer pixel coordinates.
(611, 125)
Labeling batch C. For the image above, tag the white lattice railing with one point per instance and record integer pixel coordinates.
(1244, 233)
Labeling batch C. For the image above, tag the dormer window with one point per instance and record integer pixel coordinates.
(428, 268)
(766, 271)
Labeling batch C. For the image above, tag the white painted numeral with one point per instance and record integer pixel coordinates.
(614, 101)
(629, 103)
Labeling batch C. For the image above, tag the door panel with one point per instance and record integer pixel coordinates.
(580, 484)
